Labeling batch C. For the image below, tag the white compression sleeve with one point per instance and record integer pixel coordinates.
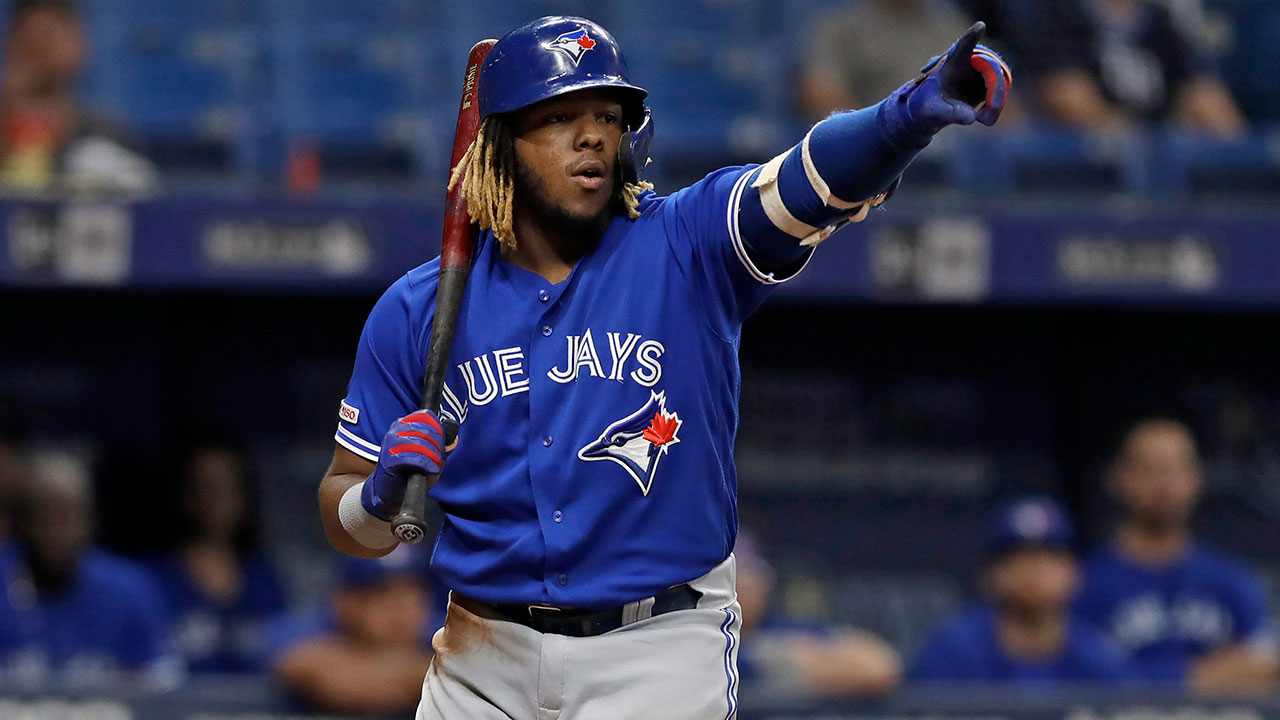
(364, 528)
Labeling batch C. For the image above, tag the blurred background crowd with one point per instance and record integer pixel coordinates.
(1044, 494)
(306, 94)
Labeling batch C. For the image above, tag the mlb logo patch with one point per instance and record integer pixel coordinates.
(574, 43)
(348, 413)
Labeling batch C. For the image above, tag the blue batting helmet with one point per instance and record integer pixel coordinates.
(559, 54)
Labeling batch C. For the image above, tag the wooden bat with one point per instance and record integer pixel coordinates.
(456, 244)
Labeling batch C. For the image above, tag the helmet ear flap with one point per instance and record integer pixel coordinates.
(633, 149)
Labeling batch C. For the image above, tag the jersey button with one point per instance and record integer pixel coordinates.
(546, 331)
(559, 516)
(564, 579)
(546, 441)
(543, 295)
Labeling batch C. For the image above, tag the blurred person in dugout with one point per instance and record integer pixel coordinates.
(782, 654)
(1023, 632)
(10, 474)
(1113, 65)
(219, 587)
(367, 652)
(849, 63)
(72, 615)
(1185, 612)
(48, 140)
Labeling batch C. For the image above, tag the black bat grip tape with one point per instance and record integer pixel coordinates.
(409, 525)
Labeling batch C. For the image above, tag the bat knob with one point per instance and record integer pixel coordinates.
(409, 526)
(408, 532)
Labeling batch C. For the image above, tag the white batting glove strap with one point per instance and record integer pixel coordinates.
(364, 528)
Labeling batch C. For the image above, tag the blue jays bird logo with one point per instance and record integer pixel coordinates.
(638, 441)
(574, 43)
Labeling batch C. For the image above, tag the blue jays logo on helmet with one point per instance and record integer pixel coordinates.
(638, 441)
(552, 56)
(574, 43)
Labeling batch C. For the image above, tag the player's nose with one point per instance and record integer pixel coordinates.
(589, 135)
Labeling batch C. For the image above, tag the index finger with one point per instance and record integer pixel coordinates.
(967, 42)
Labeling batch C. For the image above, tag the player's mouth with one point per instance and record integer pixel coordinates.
(589, 174)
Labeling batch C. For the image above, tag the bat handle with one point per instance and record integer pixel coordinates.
(409, 525)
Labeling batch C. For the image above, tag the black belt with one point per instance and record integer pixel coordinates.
(580, 622)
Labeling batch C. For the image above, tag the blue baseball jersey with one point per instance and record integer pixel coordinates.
(111, 620)
(595, 457)
(1166, 617)
(215, 636)
(966, 648)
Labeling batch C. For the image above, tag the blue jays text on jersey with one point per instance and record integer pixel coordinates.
(595, 455)
(1167, 617)
(597, 415)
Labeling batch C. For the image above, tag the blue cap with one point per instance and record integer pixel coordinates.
(404, 561)
(548, 57)
(1030, 522)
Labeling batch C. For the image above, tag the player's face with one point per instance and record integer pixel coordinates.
(46, 50)
(567, 156)
(1157, 479)
(1035, 579)
(56, 527)
(215, 500)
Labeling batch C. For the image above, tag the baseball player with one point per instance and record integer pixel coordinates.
(590, 499)
(1186, 612)
(1023, 632)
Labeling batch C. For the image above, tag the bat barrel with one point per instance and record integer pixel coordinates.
(457, 241)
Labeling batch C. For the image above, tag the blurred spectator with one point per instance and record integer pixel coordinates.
(849, 64)
(1183, 610)
(1112, 64)
(72, 614)
(1023, 633)
(368, 652)
(47, 138)
(218, 585)
(10, 477)
(806, 658)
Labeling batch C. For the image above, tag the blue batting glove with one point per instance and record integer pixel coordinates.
(968, 84)
(414, 444)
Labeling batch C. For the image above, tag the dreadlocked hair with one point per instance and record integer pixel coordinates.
(487, 174)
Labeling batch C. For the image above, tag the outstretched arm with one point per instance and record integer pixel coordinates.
(853, 160)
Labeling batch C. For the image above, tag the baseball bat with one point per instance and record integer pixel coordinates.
(456, 243)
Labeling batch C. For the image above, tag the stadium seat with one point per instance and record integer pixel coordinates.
(181, 75)
(714, 77)
(1187, 164)
(1046, 159)
(357, 89)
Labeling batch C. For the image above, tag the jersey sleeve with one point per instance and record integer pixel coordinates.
(941, 658)
(387, 377)
(700, 224)
(287, 631)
